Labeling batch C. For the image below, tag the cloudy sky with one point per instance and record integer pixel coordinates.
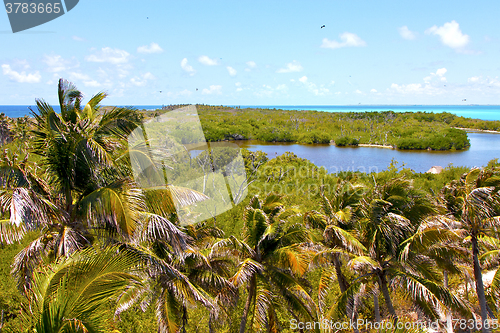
(260, 53)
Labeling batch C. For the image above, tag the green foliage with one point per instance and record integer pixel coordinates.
(346, 141)
(408, 130)
(393, 225)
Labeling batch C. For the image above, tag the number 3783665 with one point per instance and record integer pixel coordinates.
(25, 8)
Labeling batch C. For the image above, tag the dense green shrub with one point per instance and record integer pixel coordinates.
(346, 141)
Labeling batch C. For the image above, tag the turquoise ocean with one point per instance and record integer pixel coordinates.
(484, 112)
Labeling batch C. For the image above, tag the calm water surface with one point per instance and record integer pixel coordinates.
(484, 147)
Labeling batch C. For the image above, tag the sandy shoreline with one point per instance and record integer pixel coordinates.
(477, 130)
(374, 145)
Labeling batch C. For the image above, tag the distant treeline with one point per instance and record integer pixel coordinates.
(408, 130)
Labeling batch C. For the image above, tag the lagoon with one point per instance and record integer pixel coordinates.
(484, 147)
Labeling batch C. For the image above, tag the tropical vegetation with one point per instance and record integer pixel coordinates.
(89, 244)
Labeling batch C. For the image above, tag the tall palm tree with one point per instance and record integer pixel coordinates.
(390, 215)
(336, 225)
(183, 269)
(474, 201)
(76, 191)
(276, 258)
(80, 188)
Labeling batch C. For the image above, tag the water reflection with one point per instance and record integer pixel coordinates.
(484, 147)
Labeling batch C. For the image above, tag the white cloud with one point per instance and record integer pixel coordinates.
(407, 88)
(251, 65)
(187, 68)
(406, 33)
(78, 76)
(450, 35)
(87, 81)
(441, 71)
(482, 83)
(92, 83)
(348, 40)
(21, 77)
(56, 63)
(151, 48)
(321, 91)
(207, 61)
(141, 81)
(358, 91)
(238, 84)
(293, 66)
(439, 75)
(78, 39)
(107, 54)
(231, 70)
(373, 90)
(214, 89)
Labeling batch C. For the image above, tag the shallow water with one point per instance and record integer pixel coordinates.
(484, 147)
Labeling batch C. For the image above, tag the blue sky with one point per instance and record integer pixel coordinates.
(260, 53)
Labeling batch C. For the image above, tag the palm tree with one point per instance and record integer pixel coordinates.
(76, 190)
(276, 256)
(474, 202)
(491, 260)
(336, 224)
(182, 269)
(390, 215)
(73, 295)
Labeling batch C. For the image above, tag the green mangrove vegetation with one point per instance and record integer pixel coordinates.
(409, 130)
(89, 245)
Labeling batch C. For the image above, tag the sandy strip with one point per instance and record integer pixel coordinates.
(374, 145)
(477, 130)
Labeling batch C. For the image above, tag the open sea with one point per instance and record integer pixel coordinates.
(484, 112)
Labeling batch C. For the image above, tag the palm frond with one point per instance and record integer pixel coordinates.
(75, 292)
(336, 236)
(328, 277)
(246, 270)
(25, 263)
(11, 233)
(325, 257)
(256, 223)
(293, 257)
(155, 227)
(315, 219)
(168, 313)
(234, 247)
(431, 294)
(495, 285)
(115, 207)
(339, 309)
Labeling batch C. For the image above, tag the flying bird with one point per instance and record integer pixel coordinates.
(322, 26)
